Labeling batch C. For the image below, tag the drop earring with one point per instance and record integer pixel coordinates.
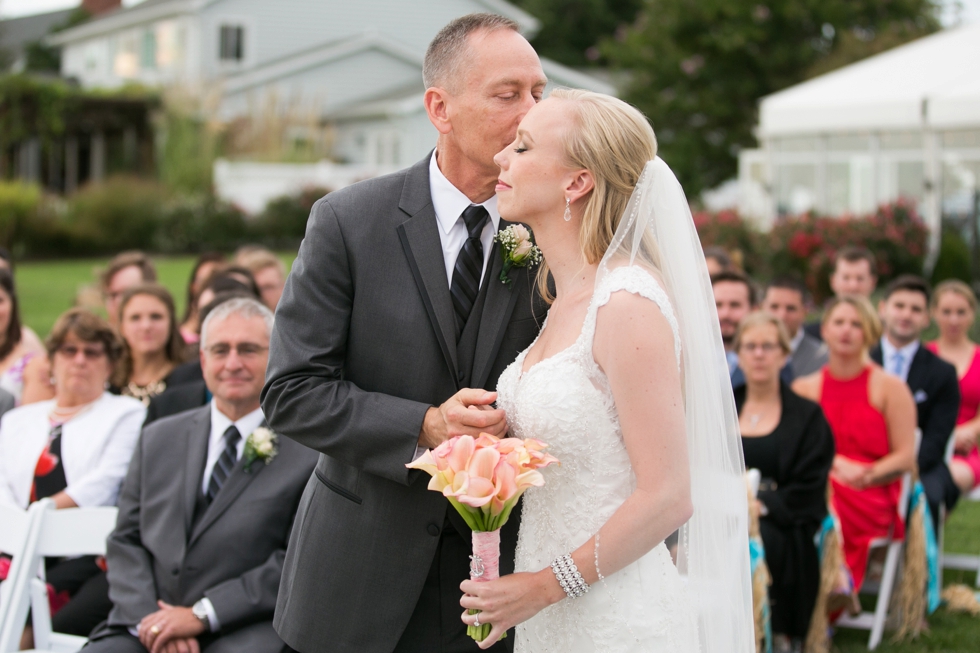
(568, 210)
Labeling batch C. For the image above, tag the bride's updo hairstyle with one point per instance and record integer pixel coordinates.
(612, 140)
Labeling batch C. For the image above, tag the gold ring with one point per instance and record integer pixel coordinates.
(154, 629)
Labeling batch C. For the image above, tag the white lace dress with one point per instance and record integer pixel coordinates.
(565, 401)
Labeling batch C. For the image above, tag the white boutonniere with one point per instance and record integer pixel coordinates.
(517, 249)
(262, 445)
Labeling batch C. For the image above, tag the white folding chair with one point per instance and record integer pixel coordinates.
(875, 621)
(961, 561)
(17, 539)
(60, 533)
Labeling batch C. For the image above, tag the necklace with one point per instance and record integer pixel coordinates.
(61, 414)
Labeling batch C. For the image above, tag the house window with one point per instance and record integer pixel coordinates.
(231, 46)
(148, 50)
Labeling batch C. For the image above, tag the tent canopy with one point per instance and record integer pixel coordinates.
(932, 82)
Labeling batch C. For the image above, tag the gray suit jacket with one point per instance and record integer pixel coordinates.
(7, 401)
(233, 554)
(363, 345)
(809, 357)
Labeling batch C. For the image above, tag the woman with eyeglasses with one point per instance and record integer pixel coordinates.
(872, 416)
(788, 440)
(152, 344)
(75, 450)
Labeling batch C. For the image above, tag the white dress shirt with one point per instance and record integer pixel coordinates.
(449, 203)
(216, 444)
(888, 353)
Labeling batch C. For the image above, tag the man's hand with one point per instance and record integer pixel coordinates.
(170, 630)
(467, 412)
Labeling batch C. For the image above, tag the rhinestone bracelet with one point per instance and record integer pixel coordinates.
(569, 577)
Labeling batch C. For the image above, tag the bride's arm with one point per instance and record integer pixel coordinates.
(634, 346)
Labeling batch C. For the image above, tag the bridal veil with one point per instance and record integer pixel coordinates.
(657, 231)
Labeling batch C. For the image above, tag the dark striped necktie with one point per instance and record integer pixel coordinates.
(469, 266)
(226, 462)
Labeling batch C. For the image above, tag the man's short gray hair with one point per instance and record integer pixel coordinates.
(244, 307)
(448, 49)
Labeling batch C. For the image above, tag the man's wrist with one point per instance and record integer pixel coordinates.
(204, 612)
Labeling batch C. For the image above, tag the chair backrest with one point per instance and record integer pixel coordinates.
(13, 535)
(75, 532)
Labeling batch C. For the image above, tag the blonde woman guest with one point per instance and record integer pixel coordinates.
(872, 416)
(954, 308)
(269, 272)
(786, 438)
(18, 344)
(152, 344)
(73, 449)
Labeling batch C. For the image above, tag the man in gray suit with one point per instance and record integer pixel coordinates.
(392, 322)
(786, 298)
(195, 560)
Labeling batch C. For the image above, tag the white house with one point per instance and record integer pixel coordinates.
(903, 123)
(358, 62)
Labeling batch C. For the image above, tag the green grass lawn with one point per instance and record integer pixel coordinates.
(48, 288)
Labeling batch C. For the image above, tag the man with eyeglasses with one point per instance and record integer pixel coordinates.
(205, 512)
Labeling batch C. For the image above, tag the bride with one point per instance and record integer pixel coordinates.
(628, 385)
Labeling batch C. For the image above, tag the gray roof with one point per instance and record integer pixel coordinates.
(15, 33)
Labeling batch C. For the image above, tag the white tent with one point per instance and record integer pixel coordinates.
(903, 123)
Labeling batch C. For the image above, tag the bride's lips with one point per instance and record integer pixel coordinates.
(501, 186)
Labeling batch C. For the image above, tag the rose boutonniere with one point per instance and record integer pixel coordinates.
(517, 249)
(262, 445)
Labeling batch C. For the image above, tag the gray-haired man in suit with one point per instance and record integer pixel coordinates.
(392, 323)
(195, 560)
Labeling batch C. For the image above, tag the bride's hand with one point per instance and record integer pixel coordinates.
(509, 600)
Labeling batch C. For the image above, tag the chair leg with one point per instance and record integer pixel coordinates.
(885, 594)
(40, 615)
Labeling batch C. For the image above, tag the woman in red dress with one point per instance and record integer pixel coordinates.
(872, 416)
(954, 307)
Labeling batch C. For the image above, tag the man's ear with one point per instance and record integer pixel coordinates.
(437, 107)
(579, 184)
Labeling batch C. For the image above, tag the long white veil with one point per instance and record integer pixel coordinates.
(657, 231)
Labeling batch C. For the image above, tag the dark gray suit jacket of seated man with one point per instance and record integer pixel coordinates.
(364, 344)
(169, 544)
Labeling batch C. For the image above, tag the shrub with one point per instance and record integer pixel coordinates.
(118, 214)
(728, 230)
(955, 261)
(283, 222)
(19, 205)
(806, 245)
(199, 223)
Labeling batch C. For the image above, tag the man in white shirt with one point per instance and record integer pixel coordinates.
(933, 382)
(206, 510)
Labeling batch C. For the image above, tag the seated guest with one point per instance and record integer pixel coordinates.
(872, 416)
(205, 265)
(786, 298)
(18, 347)
(124, 271)
(191, 392)
(717, 260)
(788, 440)
(73, 449)
(954, 307)
(904, 312)
(735, 297)
(196, 556)
(855, 273)
(152, 345)
(269, 273)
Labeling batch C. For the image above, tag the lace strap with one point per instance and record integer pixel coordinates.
(638, 281)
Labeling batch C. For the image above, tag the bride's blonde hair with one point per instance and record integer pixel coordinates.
(612, 140)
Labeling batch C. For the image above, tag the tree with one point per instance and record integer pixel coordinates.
(699, 67)
(571, 29)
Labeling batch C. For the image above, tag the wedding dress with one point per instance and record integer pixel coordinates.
(565, 401)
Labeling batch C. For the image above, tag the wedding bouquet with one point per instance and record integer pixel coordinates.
(483, 477)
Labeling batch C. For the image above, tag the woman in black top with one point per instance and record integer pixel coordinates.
(788, 440)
